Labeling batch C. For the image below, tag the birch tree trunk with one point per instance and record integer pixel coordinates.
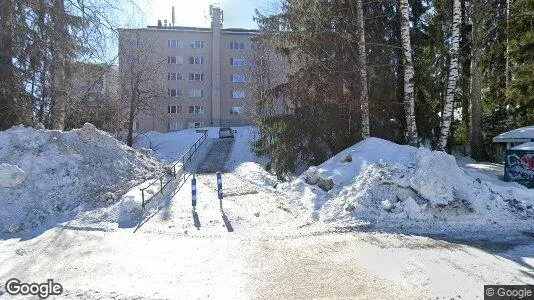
(409, 103)
(447, 113)
(364, 97)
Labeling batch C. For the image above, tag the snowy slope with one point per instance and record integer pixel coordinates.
(170, 146)
(242, 151)
(60, 173)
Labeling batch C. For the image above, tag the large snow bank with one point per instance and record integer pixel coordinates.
(394, 186)
(255, 173)
(55, 173)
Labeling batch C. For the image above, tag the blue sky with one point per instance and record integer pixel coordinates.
(237, 13)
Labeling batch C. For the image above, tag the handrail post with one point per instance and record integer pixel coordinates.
(143, 198)
(187, 157)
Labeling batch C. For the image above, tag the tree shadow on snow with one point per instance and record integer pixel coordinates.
(160, 206)
(58, 221)
(516, 247)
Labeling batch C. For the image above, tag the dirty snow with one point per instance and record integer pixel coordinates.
(11, 176)
(397, 187)
(54, 173)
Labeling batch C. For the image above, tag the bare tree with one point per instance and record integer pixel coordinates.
(447, 113)
(409, 102)
(141, 89)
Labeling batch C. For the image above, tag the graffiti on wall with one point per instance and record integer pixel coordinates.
(520, 166)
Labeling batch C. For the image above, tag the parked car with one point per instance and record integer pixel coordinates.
(226, 132)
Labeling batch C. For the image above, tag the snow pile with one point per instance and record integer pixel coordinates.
(255, 173)
(242, 150)
(45, 173)
(343, 170)
(386, 185)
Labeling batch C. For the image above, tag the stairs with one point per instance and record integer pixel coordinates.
(217, 156)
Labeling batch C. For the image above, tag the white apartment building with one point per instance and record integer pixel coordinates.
(201, 74)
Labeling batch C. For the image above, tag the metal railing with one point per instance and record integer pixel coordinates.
(176, 173)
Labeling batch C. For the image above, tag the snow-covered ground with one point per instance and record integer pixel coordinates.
(170, 146)
(268, 239)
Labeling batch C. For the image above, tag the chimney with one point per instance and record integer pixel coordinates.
(215, 13)
(173, 17)
(159, 23)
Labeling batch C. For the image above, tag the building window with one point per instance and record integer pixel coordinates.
(174, 76)
(238, 77)
(196, 44)
(238, 94)
(173, 126)
(196, 110)
(175, 60)
(136, 126)
(196, 93)
(196, 77)
(239, 62)
(237, 110)
(237, 45)
(133, 42)
(174, 109)
(175, 44)
(196, 124)
(196, 60)
(175, 93)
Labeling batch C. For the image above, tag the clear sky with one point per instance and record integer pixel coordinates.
(237, 13)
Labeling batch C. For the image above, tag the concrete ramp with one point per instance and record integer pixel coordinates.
(217, 156)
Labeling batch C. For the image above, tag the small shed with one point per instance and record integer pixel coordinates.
(519, 164)
(510, 139)
(516, 137)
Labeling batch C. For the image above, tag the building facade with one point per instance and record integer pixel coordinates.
(199, 75)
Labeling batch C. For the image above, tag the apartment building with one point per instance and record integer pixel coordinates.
(198, 76)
